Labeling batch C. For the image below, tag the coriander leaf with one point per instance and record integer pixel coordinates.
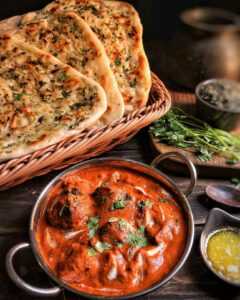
(93, 223)
(124, 225)
(119, 204)
(141, 229)
(117, 61)
(102, 246)
(145, 203)
(137, 240)
(163, 200)
(73, 28)
(91, 252)
(66, 94)
(76, 106)
(204, 154)
(133, 83)
(18, 96)
(119, 245)
(54, 39)
(62, 76)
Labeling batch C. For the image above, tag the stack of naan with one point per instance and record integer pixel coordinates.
(73, 65)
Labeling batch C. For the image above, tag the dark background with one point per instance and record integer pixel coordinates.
(159, 17)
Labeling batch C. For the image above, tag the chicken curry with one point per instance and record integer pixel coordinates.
(109, 231)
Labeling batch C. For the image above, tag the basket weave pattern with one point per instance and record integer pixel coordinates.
(88, 143)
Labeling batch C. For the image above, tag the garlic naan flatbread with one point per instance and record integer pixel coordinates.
(41, 99)
(118, 27)
(9, 24)
(70, 39)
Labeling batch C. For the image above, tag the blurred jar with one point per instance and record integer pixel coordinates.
(207, 45)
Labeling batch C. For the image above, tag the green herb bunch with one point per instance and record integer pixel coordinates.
(182, 130)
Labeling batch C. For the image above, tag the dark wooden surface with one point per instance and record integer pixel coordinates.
(194, 281)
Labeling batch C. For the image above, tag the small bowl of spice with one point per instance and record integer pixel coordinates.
(218, 103)
(220, 246)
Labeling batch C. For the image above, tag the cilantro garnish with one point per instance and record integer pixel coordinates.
(91, 252)
(117, 61)
(145, 203)
(93, 223)
(137, 239)
(62, 76)
(121, 202)
(18, 96)
(102, 246)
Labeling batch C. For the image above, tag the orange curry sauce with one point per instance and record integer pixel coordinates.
(109, 231)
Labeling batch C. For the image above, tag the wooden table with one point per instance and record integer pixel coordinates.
(194, 281)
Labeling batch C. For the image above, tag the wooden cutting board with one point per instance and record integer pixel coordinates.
(217, 167)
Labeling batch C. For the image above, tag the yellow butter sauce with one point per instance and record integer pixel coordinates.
(223, 251)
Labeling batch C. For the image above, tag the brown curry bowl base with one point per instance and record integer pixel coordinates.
(141, 169)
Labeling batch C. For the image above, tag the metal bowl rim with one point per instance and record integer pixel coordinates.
(186, 15)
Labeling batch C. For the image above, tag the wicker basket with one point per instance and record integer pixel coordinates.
(87, 144)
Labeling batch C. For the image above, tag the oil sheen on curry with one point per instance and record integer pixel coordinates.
(110, 231)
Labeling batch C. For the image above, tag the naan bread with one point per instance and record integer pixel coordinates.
(119, 28)
(41, 99)
(9, 24)
(70, 39)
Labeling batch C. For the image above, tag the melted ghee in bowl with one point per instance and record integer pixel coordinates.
(223, 252)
